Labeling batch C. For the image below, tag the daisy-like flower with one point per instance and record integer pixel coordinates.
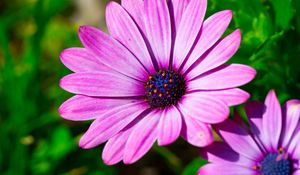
(271, 146)
(158, 75)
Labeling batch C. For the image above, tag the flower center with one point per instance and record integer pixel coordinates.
(164, 88)
(275, 164)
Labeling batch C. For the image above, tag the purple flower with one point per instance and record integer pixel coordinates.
(158, 75)
(270, 147)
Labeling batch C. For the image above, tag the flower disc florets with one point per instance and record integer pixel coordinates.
(275, 164)
(164, 88)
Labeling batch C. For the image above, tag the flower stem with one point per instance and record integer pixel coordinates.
(174, 163)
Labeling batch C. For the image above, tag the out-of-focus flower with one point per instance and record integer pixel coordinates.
(87, 12)
(270, 147)
(158, 75)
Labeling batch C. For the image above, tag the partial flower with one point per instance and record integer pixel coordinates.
(158, 75)
(271, 146)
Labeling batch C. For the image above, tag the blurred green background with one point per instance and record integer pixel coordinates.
(35, 140)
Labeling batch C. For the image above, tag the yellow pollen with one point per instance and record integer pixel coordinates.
(255, 167)
(280, 150)
(155, 90)
(165, 85)
(170, 81)
(160, 95)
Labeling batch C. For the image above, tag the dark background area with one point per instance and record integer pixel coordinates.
(35, 140)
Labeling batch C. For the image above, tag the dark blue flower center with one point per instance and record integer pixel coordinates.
(164, 88)
(275, 164)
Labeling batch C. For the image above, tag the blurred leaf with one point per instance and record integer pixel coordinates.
(61, 143)
(193, 167)
(260, 30)
(283, 12)
(51, 7)
(297, 6)
(265, 45)
(171, 159)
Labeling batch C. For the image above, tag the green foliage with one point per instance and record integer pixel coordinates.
(283, 12)
(35, 140)
(192, 167)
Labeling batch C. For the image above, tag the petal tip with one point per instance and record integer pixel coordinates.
(108, 161)
(84, 144)
(246, 96)
(271, 96)
(228, 12)
(128, 161)
(238, 33)
(272, 92)
(63, 82)
(62, 55)
(82, 28)
(163, 142)
(226, 113)
(111, 4)
(61, 110)
(253, 71)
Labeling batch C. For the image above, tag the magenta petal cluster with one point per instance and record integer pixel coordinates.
(271, 146)
(158, 75)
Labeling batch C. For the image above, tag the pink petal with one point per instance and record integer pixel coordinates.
(178, 8)
(296, 172)
(296, 152)
(223, 77)
(196, 132)
(123, 28)
(225, 169)
(110, 124)
(292, 117)
(188, 30)
(82, 60)
(82, 107)
(212, 30)
(142, 137)
(219, 152)
(239, 119)
(272, 119)
(101, 84)
(112, 53)
(114, 149)
(219, 54)
(294, 148)
(255, 111)
(169, 126)
(205, 108)
(239, 139)
(231, 97)
(158, 30)
(136, 10)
